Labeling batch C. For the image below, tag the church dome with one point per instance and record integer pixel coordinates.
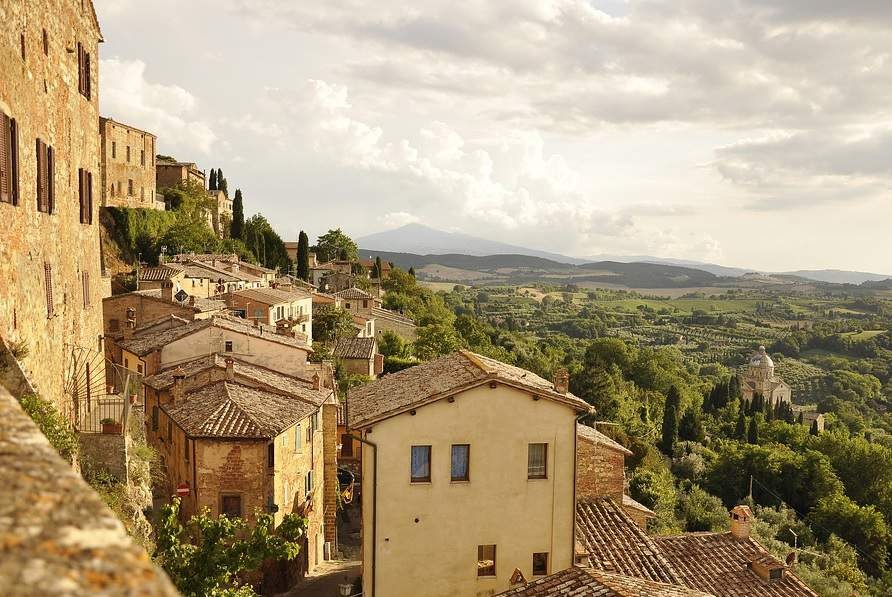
(761, 359)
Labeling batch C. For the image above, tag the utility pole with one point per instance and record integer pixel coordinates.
(751, 488)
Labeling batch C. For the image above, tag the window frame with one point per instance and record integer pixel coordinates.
(231, 494)
(467, 476)
(542, 572)
(420, 479)
(9, 138)
(530, 470)
(490, 570)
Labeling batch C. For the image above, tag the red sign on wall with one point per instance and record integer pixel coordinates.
(182, 490)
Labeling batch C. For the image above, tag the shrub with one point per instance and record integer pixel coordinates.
(53, 425)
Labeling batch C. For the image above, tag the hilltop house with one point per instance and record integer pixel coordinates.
(468, 470)
(127, 166)
(761, 379)
(359, 356)
(169, 173)
(287, 309)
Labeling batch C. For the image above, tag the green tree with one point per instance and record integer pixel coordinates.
(220, 180)
(691, 426)
(436, 340)
(412, 271)
(266, 243)
(752, 435)
(212, 180)
(334, 244)
(237, 227)
(740, 430)
(208, 555)
(378, 268)
(303, 256)
(56, 428)
(862, 526)
(331, 323)
(391, 344)
(701, 511)
(670, 429)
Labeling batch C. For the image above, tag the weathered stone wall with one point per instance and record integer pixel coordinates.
(231, 467)
(100, 452)
(599, 471)
(330, 466)
(41, 93)
(148, 309)
(127, 154)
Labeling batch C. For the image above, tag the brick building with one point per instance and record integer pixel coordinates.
(51, 278)
(170, 173)
(127, 164)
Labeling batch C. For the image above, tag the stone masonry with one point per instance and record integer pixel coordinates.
(127, 163)
(50, 274)
(599, 471)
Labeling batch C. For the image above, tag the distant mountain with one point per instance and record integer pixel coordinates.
(837, 276)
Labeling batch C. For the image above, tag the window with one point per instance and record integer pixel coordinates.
(139, 370)
(486, 560)
(155, 418)
(231, 505)
(298, 445)
(46, 43)
(169, 430)
(114, 325)
(536, 461)
(48, 283)
(227, 346)
(460, 460)
(119, 189)
(346, 445)
(9, 160)
(540, 564)
(130, 187)
(271, 455)
(128, 154)
(83, 71)
(85, 195)
(142, 157)
(45, 171)
(85, 282)
(776, 573)
(186, 448)
(421, 464)
(114, 149)
(308, 483)
(126, 363)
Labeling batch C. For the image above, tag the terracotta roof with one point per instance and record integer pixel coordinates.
(579, 582)
(270, 296)
(379, 313)
(159, 273)
(628, 502)
(439, 378)
(616, 544)
(230, 410)
(244, 371)
(719, 563)
(353, 293)
(596, 437)
(355, 348)
(232, 257)
(202, 305)
(143, 344)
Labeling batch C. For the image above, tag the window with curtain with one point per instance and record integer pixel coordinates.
(421, 464)
(460, 460)
(486, 560)
(536, 461)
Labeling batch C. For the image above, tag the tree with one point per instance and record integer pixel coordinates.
(436, 340)
(303, 256)
(752, 436)
(266, 243)
(334, 244)
(670, 429)
(862, 526)
(331, 323)
(208, 555)
(412, 271)
(212, 180)
(740, 430)
(691, 426)
(237, 227)
(391, 344)
(378, 268)
(220, 179)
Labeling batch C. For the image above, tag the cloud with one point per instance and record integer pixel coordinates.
(398, 218)
(165, 110)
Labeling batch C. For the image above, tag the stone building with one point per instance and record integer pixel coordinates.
(220, 215)
(271, 306)
(127, 164)
(51, 278)
(359, 356)
(761, 379)
(170, 173)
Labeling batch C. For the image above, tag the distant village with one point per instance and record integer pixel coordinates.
(465, 475)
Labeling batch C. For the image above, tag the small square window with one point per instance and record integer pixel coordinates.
(231, 505)
(537, 460)
(540, 564)
(460, 461)
(421, 464)
(486, 560)
(227, 346)
(271, 455)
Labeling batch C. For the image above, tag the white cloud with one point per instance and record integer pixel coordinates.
(165, 110)
(396, 219)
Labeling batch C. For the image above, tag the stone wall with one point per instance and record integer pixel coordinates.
(127, 159)
(330, 466)
(600, 471)
(100, 452)
(41, 93)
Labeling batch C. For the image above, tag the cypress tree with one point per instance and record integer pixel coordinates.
(733, 387)
(237, 226)
(303, 256)
(814, 427)
(223, 185)
(753, 435)
(670, 429)
(378, 268)
(673, 397)
(740, 430)
(212, 180)
(691, 427)
(412, 271)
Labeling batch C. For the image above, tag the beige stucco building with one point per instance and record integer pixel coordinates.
(761, 379)
(51, 278)
(468, 475)
(170, 174)
(127, 163)
(291, 309)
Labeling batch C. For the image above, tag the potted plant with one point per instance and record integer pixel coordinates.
(110, 426)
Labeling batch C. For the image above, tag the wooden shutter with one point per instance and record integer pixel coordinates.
(48, 277)
(50, 179)
(41, 176)
(86, 284)
(81, 193)
(5, 160)
(80, 67)
(14, 159)
(87, 85)
(89, 197)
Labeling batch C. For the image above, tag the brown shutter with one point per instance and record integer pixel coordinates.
(14, 159)
(81, 194)
(86, 281)
(40, 179)
(48, 277)
(87, 86)
(80, 67)
(89, 197)
(5, 160)
(51, 179)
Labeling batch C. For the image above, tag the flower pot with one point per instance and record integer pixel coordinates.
(112, 428)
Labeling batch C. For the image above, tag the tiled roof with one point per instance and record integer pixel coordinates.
(596, 437)
(379, 313)
(616, 544)
(630, 503)
(159, 273)
(244, 372)
(143, 344)
(230, 410)
(270, 296)
(578, 582)
(718, 562)
(355, 348)
(206, 257)
(439, 378)
(353, 293)
(201, 305)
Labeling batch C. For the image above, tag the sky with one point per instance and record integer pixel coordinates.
(750, 133)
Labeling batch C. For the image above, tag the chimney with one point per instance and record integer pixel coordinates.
(741, 521)
(317, 382)
(167, 290)
(230, 369)
(176, 392)
(561, 380)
